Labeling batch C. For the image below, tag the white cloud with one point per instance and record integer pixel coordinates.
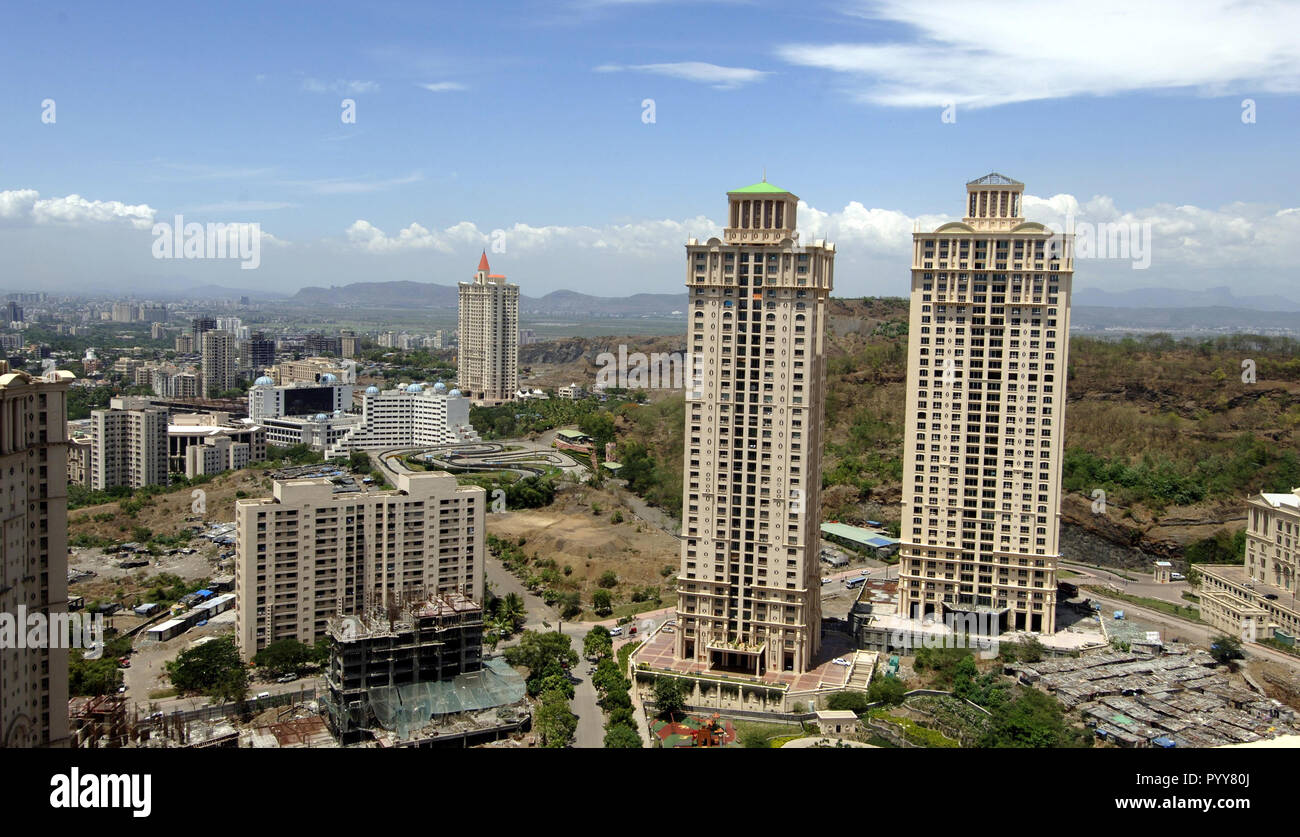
(340, 87)
(25, 206)
(1028, 50)
(442, 86)
(721, 78)
(341, 186)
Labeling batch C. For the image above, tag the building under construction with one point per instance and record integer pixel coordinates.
(398, 669)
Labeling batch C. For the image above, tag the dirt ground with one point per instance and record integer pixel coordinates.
(167, 514)
(572, 535)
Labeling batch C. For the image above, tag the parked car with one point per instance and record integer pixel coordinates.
(826, 581)
(615, 631)
(261, 695)
(1177, 576)
(288, 678)
(840, 661)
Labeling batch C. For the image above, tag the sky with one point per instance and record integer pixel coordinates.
(582, 142)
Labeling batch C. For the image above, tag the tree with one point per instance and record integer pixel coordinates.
(213, 668)
(554, 722)
(622, 736)
(537, 650)
(887, 690)
(670, 695)
(602, 603)
(1033, 719)
(1225, 649)
(283, 656)
(608, 678)
(598, 643)
(557, 683)
(512, 607)
(607, 579)
(358, 462)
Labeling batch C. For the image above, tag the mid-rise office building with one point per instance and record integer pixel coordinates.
(314, 370)
(128, 445)
(488, 353)
(749, 586)
(312, 551)
(987, 359)
(409, 416)
(33, 552)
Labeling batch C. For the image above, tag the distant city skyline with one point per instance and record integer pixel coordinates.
(579, 154)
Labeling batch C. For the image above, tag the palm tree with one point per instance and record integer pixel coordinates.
(512, 608)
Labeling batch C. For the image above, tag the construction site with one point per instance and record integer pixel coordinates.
(413, 674)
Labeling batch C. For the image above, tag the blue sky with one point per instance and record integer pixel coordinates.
(527, 117)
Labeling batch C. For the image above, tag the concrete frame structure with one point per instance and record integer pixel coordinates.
(128, 445)
(33, 552)
(307, 554)
(488, 353)
(428, 639)
(987, 360)
(749, 591)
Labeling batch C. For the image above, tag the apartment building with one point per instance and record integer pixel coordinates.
(1259, 599)
(230, 443)
(220, 362)
(311, 552)
(488, 352)
(33, 552)
(749, 587)
(987, 359)
(128, 445)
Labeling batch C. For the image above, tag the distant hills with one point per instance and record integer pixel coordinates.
(1222, 297)
(432, 295)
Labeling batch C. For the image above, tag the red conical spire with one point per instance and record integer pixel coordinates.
(482, 263)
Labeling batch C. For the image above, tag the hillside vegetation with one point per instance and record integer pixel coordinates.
(1167, 428)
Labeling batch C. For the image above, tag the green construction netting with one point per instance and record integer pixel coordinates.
(409, 707)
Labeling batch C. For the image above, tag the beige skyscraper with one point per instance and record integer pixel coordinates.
(985, 421)
(488, 354)
(310, 552)
(33, 552)
(220, 359)
(749, 590)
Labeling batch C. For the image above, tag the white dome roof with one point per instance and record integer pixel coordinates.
(264, 381)
(455, 393)
(329, 378)
(440, 387)
(372, 390)
(415, 388)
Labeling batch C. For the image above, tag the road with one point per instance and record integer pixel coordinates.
(1141, 584)
(1195, 633)
(590, 733)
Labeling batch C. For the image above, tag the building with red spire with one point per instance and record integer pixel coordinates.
(488, 353)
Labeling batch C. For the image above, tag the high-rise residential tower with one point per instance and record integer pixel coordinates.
(128, 445)
(33, 552)
(220, 362)
(987, 355)
(488, 355)
(749, 589)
